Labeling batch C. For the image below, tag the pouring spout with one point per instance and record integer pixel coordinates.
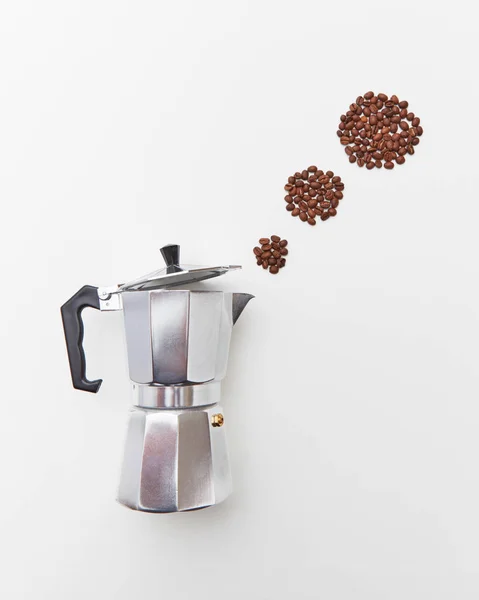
(239, 303)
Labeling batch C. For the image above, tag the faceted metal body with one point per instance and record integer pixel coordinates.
(177, 336)
(175, 460)
(175, 452)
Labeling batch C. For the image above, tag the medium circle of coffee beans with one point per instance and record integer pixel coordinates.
(271, 253)
(313, 193)
(379, 129)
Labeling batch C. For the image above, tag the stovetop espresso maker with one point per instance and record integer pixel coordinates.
(177, 344)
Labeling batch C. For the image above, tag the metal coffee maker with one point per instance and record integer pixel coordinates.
(177, 343)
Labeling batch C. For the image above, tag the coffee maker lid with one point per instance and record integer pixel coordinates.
(174, 274)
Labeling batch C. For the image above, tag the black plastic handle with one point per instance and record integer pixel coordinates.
(87, 296)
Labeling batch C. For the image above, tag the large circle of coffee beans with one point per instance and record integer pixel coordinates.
(313, 193)
(379, 129)
(271, 253)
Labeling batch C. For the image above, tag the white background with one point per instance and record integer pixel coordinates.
(352, 392)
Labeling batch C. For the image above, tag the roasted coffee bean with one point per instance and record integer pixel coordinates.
(332, 212)
(400, 160)
(266, 247)
(374, 124)
(388, 165)
(324, 216)
(316, 192)
(271, 259)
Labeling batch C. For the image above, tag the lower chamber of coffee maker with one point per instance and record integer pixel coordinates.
(175, 456)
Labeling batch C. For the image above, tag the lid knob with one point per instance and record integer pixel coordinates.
(171, 255)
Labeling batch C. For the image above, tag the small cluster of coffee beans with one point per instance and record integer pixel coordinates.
(313, 193)
(272, 253)
(377, 129)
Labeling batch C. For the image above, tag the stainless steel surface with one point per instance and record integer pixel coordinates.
(164, 278)
(175, 460)
(170, 396)
(177, 343)
(109, 298)
(178, 337)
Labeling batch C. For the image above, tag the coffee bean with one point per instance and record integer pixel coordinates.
(315, 193)
(332, 212)
(385, 124)
(312, 169)
(288, 187)
(370, 165)
(400, 160)
(388, 165)
(324, 217)
(274, 259)
(378, 164)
